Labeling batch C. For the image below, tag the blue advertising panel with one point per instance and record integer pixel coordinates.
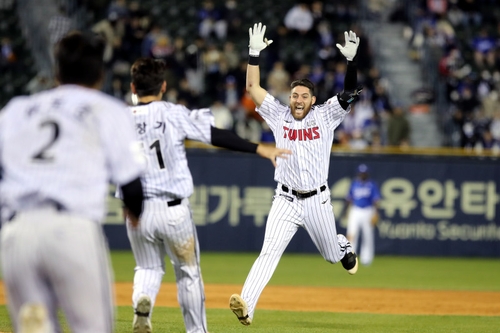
(431, 206)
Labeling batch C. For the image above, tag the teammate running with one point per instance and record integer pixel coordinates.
(302, 197)
(58, 151)
(166, 226)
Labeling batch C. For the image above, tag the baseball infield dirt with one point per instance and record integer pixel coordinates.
(389, 301)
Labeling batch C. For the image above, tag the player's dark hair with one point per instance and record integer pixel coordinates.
(79, 59)
(148, 76)
(303, 82)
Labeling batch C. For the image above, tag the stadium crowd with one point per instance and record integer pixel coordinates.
(207, 67)
(464, 38)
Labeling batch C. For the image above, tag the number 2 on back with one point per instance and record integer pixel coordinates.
(43, 155)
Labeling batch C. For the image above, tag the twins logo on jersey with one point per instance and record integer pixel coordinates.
(302, 134)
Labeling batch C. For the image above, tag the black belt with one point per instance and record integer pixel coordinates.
(174, 202)
(303, 195)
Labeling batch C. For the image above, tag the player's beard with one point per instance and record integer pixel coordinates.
(299, 114)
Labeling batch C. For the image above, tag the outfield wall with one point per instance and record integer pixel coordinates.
(431, 205)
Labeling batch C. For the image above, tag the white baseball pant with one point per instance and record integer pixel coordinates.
(59, 260)
(287, 214)
(360, 219)
(169, 231)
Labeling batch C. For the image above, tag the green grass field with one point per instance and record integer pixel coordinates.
(473, 274)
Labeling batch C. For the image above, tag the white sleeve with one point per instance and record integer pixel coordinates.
(122, 148)
(271, 110)
(333, 113)
(195, 124)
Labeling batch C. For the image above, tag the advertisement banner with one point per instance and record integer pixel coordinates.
(430, 206)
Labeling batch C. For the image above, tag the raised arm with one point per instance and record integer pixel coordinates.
(257, 44)
(351, 91)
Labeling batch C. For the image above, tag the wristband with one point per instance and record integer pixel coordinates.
(254, 61)
(253, 53)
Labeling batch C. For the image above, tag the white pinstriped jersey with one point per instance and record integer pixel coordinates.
(66, 145)
(162, 128)
(309, 139)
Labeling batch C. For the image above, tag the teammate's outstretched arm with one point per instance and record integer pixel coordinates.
(257, 43)
(229, 140)
(351, 89)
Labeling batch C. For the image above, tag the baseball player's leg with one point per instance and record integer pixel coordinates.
(320, 224)
(353, 227)
(367, 250)
(149, 255)
(282, 224)
(20, 269)
(79, 269)
(181, 244)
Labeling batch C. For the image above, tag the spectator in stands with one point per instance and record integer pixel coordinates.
(186, 96)
(231, 55)
(8, 58)
(453, 68)
(135, 10)
(358, 124)
(231, 14)
(488, 141)
(211, 21)
(467, 99)
(278, 81)
(162, 48)
(230, 95)
(248, 123)
(495, 125)
(398, 128)
(299, 18)
(317, 13)
(454, 128)
(112, 29)
(222, 115)
(156, 31)
(325, 39)
(471, 16)
(469, 137)
(118, 7)
(380, 99)
(133, 38)
(484, 49)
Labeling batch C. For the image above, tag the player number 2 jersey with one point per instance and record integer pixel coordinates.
(66, 145)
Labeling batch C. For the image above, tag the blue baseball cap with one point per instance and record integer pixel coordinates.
(362, 168)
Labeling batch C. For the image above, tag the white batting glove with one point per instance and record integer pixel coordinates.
(351, 45)
(257, 40)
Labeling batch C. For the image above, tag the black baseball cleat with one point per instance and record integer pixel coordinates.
(350, 262)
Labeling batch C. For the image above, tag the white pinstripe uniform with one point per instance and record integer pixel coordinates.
(166, 226)
(306, 169)
(58, 150)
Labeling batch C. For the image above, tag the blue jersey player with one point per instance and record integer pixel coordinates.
(363, 198)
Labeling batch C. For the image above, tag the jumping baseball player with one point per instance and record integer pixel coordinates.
(166, 226)
(302, 197)
(362, 199)
(58, 150)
